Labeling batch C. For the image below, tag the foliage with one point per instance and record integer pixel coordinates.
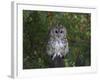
(36, 25)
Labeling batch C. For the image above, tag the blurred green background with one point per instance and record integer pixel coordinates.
(36, 25)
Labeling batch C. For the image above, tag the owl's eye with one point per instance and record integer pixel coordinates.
(61, 31)
(56, 31)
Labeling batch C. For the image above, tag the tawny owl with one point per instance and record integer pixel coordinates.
(57, 43)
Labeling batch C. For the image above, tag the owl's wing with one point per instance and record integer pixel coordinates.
(50, 50)
(66, 48)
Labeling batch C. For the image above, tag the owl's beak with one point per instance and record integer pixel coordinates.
(58, 36)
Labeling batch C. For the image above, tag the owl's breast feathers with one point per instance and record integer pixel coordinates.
(58, 47)
(58, 44)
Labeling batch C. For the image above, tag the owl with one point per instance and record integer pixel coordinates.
(57, 45)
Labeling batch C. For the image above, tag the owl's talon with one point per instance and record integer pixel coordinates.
(62, 57)
(51, 56)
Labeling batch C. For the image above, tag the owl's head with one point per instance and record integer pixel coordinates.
(58, 32)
